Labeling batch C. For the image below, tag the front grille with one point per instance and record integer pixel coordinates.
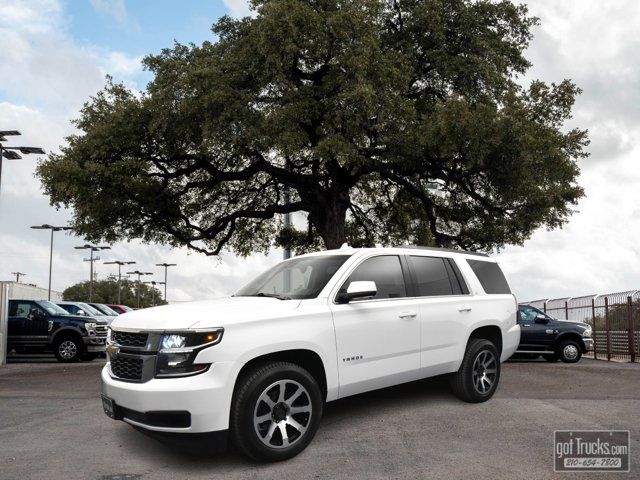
(101, 329)
(127, 368)
(129, 339)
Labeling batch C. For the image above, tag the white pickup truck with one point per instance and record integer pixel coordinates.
(259, 366)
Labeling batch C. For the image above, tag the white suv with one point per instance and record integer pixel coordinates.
(261, 364)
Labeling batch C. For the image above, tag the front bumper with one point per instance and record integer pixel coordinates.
(95, 343)
(205, 397)
(588, 344)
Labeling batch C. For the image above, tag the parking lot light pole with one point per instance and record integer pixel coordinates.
(10, 153)
(53, 229)
(153, 293)
(92, 248)
(166, 266)
(139, 273)
(18, 275)
(120, 263)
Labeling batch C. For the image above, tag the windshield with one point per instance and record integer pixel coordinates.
(104, 309)
(126, 309)
(299, 278)
(52, 308)
(89, 310)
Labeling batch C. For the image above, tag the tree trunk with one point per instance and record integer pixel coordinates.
(330, 221)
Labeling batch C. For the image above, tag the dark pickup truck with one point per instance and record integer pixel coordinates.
(39, 326)
(552, 338)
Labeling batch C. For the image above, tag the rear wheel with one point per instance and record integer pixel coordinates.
(569, 351)
(276, 411)
(68, 349)
(479, 374)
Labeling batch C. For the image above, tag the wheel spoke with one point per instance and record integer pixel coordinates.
(282, 386)
(298, 426)
(295, 396)
(491, 371)
(283, 432)
(270, 432)
(262, 418)
(303, 409)
(266, 399)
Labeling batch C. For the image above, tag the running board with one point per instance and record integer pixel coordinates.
(539, 352)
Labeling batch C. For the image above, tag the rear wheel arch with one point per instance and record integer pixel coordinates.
(493, 333)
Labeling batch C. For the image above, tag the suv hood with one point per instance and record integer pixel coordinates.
(205, 314)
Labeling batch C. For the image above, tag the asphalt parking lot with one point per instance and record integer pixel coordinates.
(52, 427)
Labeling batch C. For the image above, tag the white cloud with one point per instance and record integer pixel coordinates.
(594, 44)
(114, 8)
(239, 8)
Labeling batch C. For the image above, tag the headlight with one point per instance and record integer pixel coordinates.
(178, 351)
(108, 335)
(587, 332)
(90, 328)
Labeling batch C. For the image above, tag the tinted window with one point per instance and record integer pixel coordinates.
(529, 313)
(490, 276)
(432, 277)
(20, 309)
(386, 271)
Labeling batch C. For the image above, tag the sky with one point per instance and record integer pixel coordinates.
(55, 54)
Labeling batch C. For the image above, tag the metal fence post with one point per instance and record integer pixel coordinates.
(595, 335)
(632, 351)
(566, 310)
(4, 321)
(606, 326)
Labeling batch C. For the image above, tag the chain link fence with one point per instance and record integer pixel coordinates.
(614, 317)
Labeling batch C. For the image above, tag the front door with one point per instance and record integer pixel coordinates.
(377, 338)
(537, 330)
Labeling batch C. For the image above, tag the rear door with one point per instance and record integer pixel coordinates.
(377, 338)
(444, 312)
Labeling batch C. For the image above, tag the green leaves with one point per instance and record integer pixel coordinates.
(385, 121)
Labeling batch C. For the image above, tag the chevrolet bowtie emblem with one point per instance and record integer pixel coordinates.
(112, 349)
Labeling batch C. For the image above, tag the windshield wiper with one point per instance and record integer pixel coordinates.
(269, 295)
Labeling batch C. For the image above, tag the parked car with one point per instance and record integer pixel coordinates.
(261, 364)
(120, 308)
(104, 309)
(38, 326)
(552, 338)
(82, 308)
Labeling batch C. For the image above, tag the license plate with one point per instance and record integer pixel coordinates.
(107, 406)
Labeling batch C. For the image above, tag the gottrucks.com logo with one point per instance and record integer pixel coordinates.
(594, 450)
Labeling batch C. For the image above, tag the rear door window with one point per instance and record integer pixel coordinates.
(432, 276)
(491, 277)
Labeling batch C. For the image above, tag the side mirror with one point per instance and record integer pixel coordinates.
(81, 312)
(541, 319)
(359, 289)
(37, 315)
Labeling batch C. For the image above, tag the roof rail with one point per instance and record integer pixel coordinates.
(438, 249)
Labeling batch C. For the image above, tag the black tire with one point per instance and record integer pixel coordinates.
(569, 351)
(551, 357)
(467, 383)
(266, 379)
(68, 348)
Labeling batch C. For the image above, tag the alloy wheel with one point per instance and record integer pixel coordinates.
(282, 414)
(484, 371)
(570, 352)
(67, 349)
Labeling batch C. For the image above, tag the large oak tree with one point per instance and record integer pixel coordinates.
(385, 121)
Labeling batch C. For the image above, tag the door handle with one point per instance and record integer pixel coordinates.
(464, 309)
(407, 314)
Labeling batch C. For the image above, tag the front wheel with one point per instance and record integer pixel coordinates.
(569, 351)
(479, 374)
(276, 411)
(68, 349)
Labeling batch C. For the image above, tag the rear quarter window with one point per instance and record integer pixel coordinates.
(490, 276)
